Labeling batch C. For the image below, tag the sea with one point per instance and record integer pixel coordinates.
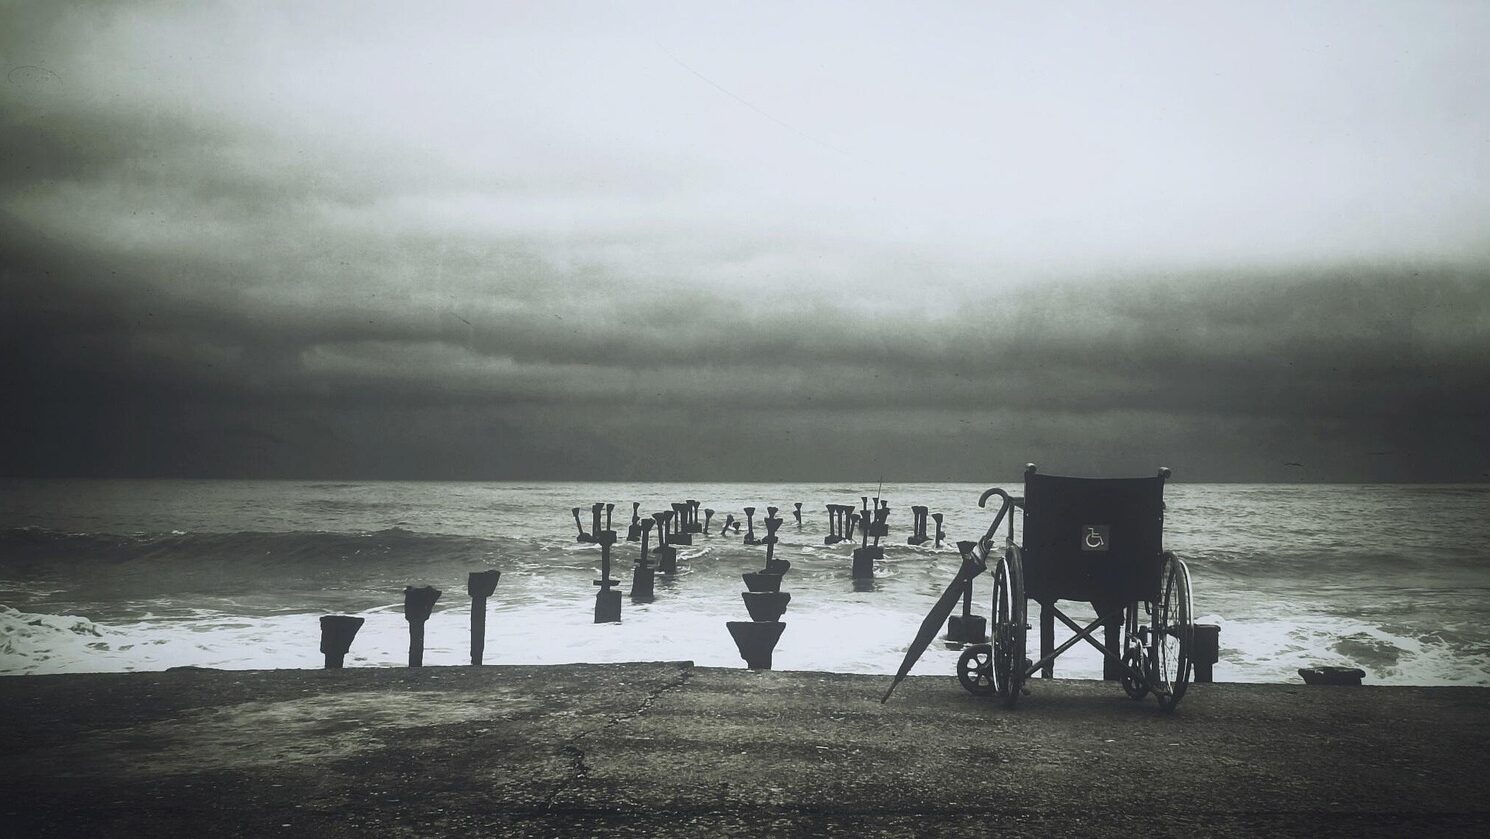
(146, 575)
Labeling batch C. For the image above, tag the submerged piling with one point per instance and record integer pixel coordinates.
(940, 534)
(797, 512)
(865, 555)
(583, 536)
(642, 576)
(750, 526)
(666, 554)
(634, 532)
(608, 599)
(480, 585)
(918, 526)
(681, 529)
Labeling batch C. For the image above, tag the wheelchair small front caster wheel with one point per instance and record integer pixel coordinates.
(1135, 689)
(975, 669)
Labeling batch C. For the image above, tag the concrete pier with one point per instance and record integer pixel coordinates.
(669, 749)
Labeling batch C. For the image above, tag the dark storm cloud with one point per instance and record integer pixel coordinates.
(1383, 358)
(234, 242)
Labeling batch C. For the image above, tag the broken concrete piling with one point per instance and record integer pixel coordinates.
(761, 581)
(766, 605)
(608, 599)
(666, 554)
(881, 521)
(693, 525)
(681, 534)
(835, 527)
(337, 632)
(634, 532)
(1207, 652)
(866, 554)
(480, 585)
(708, 514)
(765, 602)
(773, 565)
(797, 512)
(583, 536)
(418, 603)
(918, 525)
(967, 628)
(643, 578)
(750, 526)
(940, 534)
(756, 641)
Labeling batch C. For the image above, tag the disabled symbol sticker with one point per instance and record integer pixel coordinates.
(1094, 537)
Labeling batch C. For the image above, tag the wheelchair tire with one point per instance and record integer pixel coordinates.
(975, 669)
(1008, 629)
(1174, 635)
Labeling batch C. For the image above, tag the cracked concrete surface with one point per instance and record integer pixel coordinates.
(577, 754)
(668, 749)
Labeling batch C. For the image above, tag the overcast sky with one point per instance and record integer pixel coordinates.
(709, 241)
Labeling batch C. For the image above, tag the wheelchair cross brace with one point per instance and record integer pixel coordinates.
(1084, 635)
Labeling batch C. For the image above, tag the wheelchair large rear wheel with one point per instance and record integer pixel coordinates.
(1008, 629)
(1174, 632)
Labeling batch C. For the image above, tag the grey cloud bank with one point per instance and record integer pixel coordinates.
(660, 243)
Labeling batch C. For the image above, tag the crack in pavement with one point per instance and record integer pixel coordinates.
(579, 769)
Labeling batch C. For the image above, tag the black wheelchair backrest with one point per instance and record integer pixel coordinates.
(1095, 539)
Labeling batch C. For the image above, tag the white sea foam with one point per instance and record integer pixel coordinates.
(237, 575)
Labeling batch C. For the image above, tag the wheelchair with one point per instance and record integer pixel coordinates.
(1094, 540)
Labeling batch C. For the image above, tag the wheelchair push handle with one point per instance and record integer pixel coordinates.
(1014, 500)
